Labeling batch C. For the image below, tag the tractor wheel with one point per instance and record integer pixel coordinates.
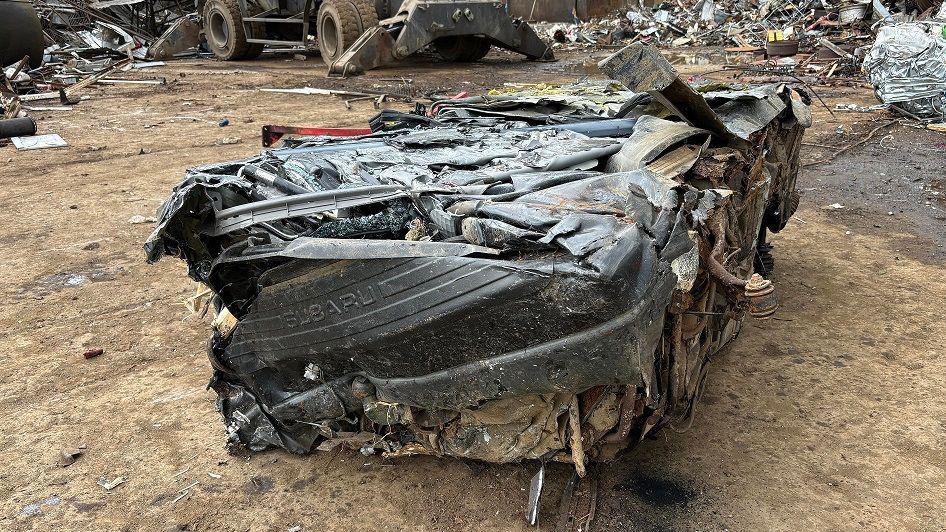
(256, 31)
(462, 49)
(253, 50)
(369, 15)
(226, 37)
(340, 23)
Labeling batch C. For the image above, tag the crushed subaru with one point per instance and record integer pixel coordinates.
(522, 275)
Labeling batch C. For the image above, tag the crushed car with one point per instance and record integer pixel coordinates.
(489, 281)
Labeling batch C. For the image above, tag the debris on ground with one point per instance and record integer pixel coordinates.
(377, 97)
(77, 44)
(109, 485)
(185, 491)
(488, 282)
(36, 508)
(67, 457)
(39, 142)
(92, 352)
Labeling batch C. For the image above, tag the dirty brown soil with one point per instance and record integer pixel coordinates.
(828, 417)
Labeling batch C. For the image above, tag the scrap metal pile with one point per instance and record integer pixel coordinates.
(739, 23)
(817, 41)
(488, 286)
(126, 26)
(59, 49)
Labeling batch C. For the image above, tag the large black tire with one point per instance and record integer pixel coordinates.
(368, 12)
(253, 51)
(226, 37)
(462, 49)
(21, 33)
(340, 23)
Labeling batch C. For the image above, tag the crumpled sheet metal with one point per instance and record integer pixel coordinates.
(414, 338)
(651, 138)
(544, 103)
(731, 114)
(463, 317)
(507, 430)
(907, 67)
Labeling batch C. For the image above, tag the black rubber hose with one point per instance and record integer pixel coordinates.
(273, 180)
(17, 127)
(21, 33)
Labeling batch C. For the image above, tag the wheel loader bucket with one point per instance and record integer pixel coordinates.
(420, 23)
(374, 48)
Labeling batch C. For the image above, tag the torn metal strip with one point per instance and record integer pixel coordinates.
(241, 216)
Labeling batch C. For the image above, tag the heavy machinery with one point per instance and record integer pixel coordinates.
(357, 35)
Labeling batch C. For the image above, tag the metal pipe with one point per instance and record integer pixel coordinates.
(17, 127)
(713, 256)
(273, 180)
(611, 127)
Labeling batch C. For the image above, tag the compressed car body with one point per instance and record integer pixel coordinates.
(542, 285)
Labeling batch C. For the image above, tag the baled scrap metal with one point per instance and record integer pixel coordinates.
(496, 304)
(907, 67)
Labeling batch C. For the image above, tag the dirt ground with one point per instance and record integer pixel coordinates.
(829, 417)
